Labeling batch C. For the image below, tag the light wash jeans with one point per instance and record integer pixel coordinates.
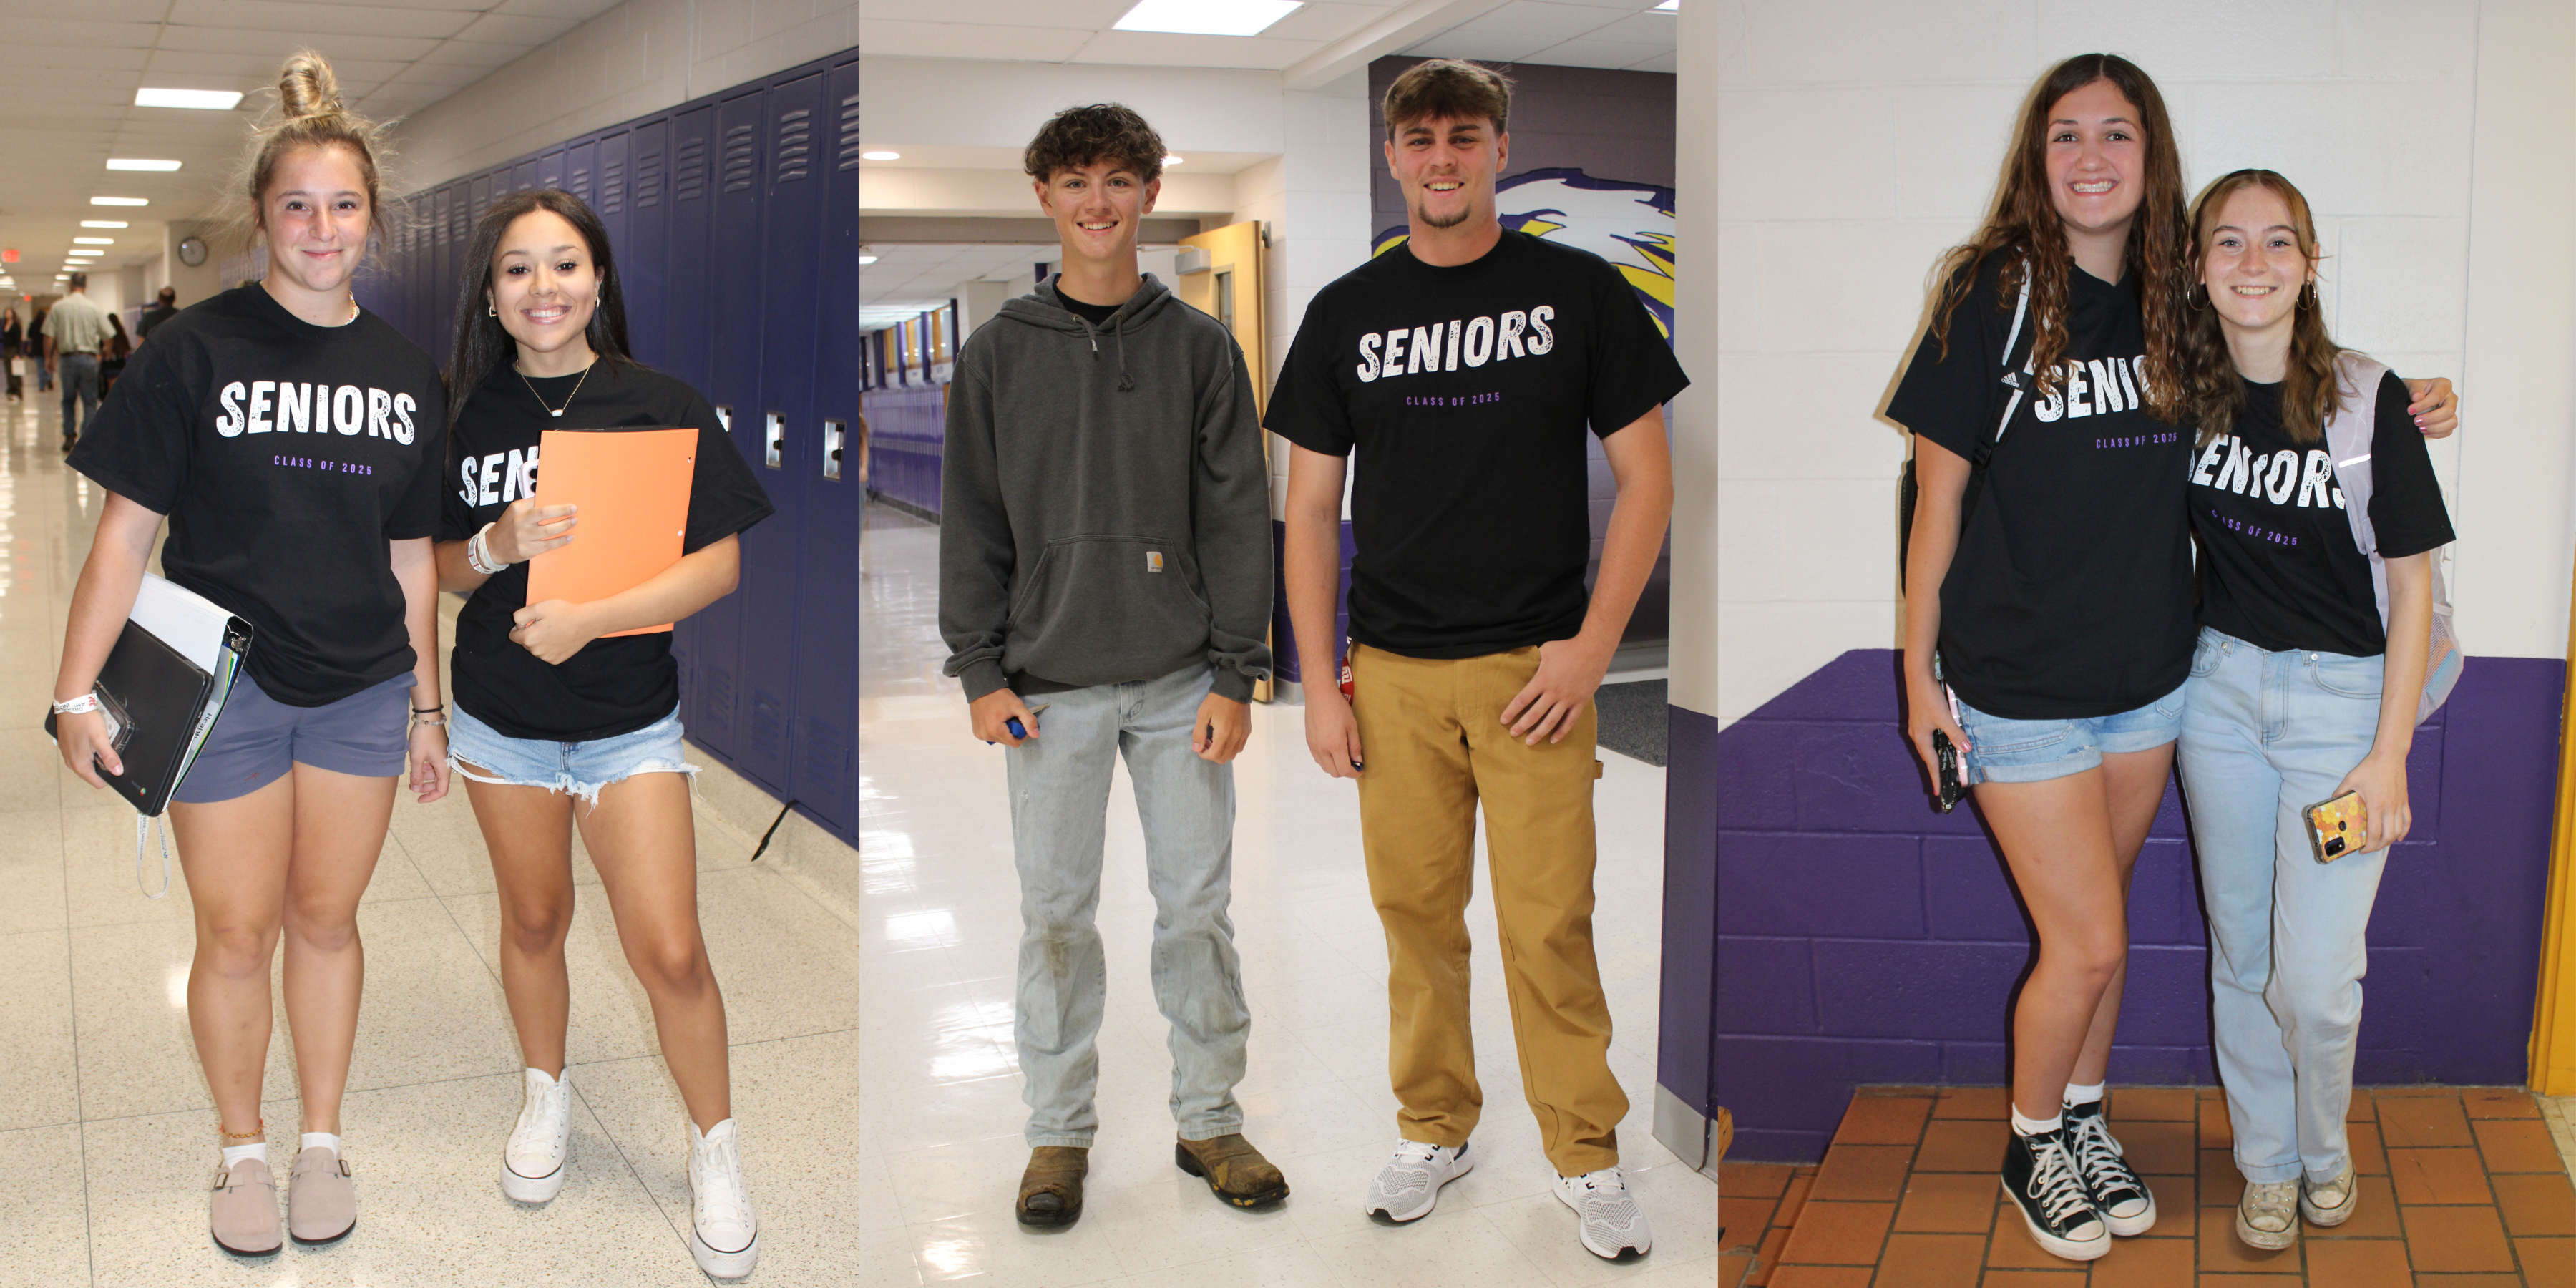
(2265, 736)
(1059, 784)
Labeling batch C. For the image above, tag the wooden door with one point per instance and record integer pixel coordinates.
(1229, 289)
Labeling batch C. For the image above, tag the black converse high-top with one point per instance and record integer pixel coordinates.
(2124, 1201)
(2040, 1175)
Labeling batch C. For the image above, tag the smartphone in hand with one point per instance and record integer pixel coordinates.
(2338, 827)
(1949, 773)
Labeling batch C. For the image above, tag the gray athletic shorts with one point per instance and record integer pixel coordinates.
(257, 739)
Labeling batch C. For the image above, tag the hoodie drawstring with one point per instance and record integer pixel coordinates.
(1126, 383)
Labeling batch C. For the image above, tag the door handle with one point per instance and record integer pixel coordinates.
(835, 433)
(773, 434)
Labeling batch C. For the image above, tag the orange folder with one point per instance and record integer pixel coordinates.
(633, 489)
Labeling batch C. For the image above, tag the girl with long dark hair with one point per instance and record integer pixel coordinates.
(293, 442)
(2306, 683)
(562, 722)
(2048, 630)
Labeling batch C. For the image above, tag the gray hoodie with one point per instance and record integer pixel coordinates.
(1104, 504)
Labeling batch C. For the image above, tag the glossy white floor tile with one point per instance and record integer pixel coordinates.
(938, 942)
(109, 1128)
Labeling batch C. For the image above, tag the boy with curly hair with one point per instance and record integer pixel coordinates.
(1105, 563)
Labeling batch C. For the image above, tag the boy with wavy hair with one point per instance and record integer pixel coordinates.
(1104, 562)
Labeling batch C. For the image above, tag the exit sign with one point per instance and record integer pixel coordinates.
(9, 256)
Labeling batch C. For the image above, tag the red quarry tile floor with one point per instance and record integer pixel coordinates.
(2461, 1187)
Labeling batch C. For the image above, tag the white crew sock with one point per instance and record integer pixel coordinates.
(257, 1149)
(322, 1140)
(2034, 1126)
(2083, 1095)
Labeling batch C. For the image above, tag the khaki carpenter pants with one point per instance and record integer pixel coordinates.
(1434, 745)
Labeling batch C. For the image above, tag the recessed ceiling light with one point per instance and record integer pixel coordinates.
(119, 201)
(881, 155)
(1668, 6)
(212, 100)
(1207, 17)
(139, 163)
(93, 241)
(102, 223)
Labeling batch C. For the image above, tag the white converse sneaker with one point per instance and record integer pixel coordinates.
(1613, 1225)
(724, 1237)
(535, 1162)
(1409, 1187)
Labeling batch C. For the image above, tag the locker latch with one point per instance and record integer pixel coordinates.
(835, 432)
(725, 414)
(773, 437)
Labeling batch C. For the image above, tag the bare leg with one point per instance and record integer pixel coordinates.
(235, 854)
(528, 832)
(2057, 838)
(646, 850)
(340, 824)
(2134, 783)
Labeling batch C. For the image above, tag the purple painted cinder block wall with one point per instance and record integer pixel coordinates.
(1866, 939)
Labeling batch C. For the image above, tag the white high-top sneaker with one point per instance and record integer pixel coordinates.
(539, 1155)
(725, 1237)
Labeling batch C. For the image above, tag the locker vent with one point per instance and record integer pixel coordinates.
(768, 728)
(612, 188)
(826, 757)
(740, 158)
(850, 133)
(716, 706)
(794, 151)
(648, 180)
(691, 181)
(581, 184)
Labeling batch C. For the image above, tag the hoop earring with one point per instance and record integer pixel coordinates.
(2198, 298)
(489, 311)
(2314, 300)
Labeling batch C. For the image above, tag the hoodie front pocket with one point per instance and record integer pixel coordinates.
(1093, 599)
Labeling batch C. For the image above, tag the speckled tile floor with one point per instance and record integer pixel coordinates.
(941, 1151)
(111, 1132)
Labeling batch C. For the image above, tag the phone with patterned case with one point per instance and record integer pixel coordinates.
(2338, 827)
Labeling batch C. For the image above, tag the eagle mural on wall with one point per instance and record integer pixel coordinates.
(1628, 224)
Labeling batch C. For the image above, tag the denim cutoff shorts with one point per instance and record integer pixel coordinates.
(578, 769)
(2034, 751)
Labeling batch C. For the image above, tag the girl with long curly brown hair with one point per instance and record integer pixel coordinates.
(2048, 612)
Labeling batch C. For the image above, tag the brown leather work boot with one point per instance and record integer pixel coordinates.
(1233, 1168)
(1051, 1190)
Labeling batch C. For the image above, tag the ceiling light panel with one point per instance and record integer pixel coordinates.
(140, 163)
(103, 223)
(93, 241)
(1207, 17)
(211, 100)
(120, 201)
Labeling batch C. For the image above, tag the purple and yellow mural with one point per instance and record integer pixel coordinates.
(1627, 223)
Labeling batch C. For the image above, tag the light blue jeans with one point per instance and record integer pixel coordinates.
(2265, 736)
(1059, 785)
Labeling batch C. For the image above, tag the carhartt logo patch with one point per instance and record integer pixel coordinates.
(1153, 561)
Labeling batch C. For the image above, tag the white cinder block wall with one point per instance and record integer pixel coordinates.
(1846, 165)
(642, 56)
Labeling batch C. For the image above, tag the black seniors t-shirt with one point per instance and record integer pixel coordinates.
(2279, 566)
(613, 685)
(1466, 391)
(2070, 594)
(288, 456)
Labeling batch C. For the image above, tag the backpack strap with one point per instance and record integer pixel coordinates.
(2349, 432)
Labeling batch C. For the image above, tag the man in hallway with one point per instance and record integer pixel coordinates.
(162, 310)
(1104, 563)
(1463, 366)
(73, 333)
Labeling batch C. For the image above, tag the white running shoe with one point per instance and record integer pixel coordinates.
(724, 1237)
(1409, 1187)
(535, 1162)
(1612, 1225)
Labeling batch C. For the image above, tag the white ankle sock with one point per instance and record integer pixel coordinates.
(2034, 1126)
(321, 1139)
(257, 1149)
(2083, 1095)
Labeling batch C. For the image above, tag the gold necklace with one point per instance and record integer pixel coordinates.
(556, 412)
